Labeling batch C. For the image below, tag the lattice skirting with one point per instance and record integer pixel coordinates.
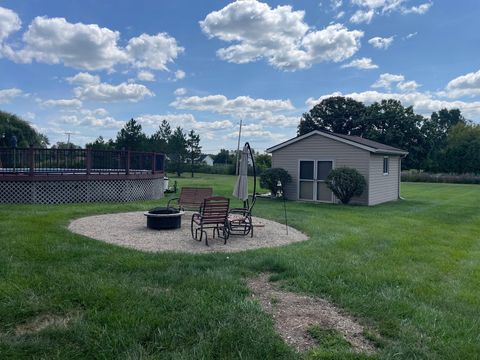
(78, 191)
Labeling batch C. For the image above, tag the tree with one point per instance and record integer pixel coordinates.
(194, 150)
(12, 125)
(270, 178)
(346, 183)
(223, 157)
(101, 144)
(131, 136)
(463, 149)
(337, 114)
(64, 145)
(178, 149)
(393, 124)
(263, 162)
(158, 142)
(435, 132)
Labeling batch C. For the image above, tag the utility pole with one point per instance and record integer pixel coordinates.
(68, 133)
(238, 145)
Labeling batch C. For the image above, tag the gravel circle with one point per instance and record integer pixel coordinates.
(130, 230)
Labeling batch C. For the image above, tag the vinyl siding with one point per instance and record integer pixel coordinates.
(383, 188)
(317, 147)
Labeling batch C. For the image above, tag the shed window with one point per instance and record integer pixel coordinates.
(385, 165)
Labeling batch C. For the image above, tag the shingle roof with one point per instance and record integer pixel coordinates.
(363, 143)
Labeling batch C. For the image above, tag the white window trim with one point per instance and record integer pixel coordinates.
(388, 165)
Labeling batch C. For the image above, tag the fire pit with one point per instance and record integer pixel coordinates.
(163, 218)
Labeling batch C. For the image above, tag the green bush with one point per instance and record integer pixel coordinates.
(346, 183)
(423, 176)
(270, 177)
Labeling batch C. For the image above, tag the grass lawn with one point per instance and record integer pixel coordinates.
(408, 270)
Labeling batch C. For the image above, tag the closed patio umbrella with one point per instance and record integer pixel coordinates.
(241, 187)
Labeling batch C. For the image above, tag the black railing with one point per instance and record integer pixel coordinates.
(79, 161)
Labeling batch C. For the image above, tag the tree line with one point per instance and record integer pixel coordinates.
(443, 142)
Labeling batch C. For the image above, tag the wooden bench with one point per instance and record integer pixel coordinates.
(212, 215)
(191, 197)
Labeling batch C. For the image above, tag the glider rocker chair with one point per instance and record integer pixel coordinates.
(213, 214)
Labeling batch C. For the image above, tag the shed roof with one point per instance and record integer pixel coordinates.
(357, 141)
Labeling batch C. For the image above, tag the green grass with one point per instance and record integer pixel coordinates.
(408, 270)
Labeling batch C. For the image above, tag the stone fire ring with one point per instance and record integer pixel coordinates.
(130, 230)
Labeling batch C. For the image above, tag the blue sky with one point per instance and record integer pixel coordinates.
(88, 66)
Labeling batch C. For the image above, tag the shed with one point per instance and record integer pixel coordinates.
(309, 159)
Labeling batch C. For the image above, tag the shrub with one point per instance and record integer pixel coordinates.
(270, 178)
(346, 183)
(423, 176)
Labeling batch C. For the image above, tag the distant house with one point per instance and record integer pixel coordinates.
(206, 159)
(310, 158)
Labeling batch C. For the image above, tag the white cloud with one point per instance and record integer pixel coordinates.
(278, 35)
(362, 63)
(465, 85)
(9, 23)
(179, 74)
(145, 76)
(335, 4)
(240, 106)
(340, 15)
(277, 120)
(84, 46)
(180, 91)
(411, 35)
(7, 95)
(64, 103)
(187, 121)
(89, 120)
(423, 103)
(110, 93)
(380, 42)
(153, 51)
(83, 79)
(361, 16)
(406, 86)
(420, 9)
(385, 80)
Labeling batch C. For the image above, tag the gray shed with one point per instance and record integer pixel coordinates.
(310, 158)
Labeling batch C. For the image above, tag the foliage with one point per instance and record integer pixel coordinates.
(194, 150)
(336, 114)
(131, 137)
(462, 154)
(12, 125)
(158, 142)
(64, 145)
(178, 152)
(389, 122)
(346, 183)
(270, 177)
(224, 157)
(423, 176)
(263, 162)
(101, 144)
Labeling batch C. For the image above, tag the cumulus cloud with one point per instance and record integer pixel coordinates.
(84, 46)
(153, 51)
(465, 85)
(7, 95)
(386, 80)
(88, 120)
(145, 76)
(64, 103)
(9, 23)
(279, 35)
(381, 42)
(179, 74)
(420, 9)
(423, 103)
(180, 91)
(361, 16)
(111, 93)
(362, 63)
(83, 79)
(369, 8)
(241, 105)
(411, 85)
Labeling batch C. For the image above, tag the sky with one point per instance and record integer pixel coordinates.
(88, 66)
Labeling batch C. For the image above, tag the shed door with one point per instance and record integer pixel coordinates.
(323, 192)
(306, 180)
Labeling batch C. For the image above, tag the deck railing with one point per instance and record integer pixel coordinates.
(34, 161)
